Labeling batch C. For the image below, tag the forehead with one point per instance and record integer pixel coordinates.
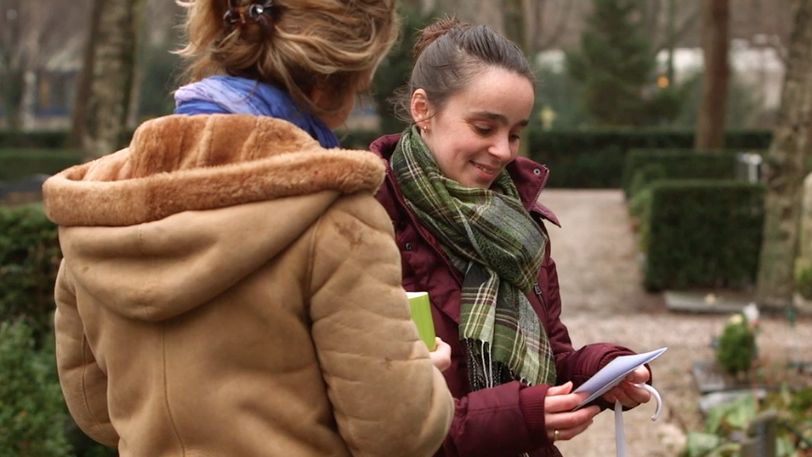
(495, 90)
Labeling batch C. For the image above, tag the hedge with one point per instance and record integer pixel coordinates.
(45, 139)
(643, 166)
(19, 163)
(702, 233)
(29, 260)
(596, 158)
(33, 417)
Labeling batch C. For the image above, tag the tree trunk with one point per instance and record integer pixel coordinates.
(533, 20)
(13, 82)
(28, 100)
(113, 48)
(710, 126)
(514, 20)
(785, 168)
(85, 79)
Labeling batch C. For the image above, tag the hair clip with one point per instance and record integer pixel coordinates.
(256, 10)
(238, 15)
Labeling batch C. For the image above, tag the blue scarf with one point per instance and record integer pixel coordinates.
(234, 95)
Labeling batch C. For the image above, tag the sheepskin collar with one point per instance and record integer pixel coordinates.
(179, 163)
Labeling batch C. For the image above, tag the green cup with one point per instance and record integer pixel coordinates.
(420, 306)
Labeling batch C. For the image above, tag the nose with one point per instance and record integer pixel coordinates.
(501, 149)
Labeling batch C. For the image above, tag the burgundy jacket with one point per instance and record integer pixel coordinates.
(506, 420)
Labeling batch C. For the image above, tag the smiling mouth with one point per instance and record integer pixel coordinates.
(486, 169)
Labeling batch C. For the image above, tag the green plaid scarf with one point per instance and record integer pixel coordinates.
(491, 238)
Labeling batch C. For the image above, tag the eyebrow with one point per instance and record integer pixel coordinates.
(498, 117)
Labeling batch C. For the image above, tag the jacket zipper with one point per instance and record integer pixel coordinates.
(540, 295)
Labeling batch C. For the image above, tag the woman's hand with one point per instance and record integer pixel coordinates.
(562, 423)
(627, 393)
(441, 355)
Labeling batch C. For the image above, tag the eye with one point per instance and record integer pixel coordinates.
(514, 137)
(483, 130)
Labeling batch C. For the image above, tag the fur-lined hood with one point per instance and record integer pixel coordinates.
(194, 204)
(181, 163)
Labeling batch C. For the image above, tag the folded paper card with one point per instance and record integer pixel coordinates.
(614, 372)
(420, 306)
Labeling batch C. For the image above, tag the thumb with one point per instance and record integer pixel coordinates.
(563, 389)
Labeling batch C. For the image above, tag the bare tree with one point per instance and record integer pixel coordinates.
(785, 167)
(31, 35)
(551, 29)
(110, 66)
(513, 18)
(710, 126)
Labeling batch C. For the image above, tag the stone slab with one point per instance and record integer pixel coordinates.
(706, 302)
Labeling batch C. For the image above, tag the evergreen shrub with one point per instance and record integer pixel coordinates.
(736, 348)
(33, 418)
(29, 261)
(37, 139)
(702, 233)
(803, 278)
(18, 163)
(642, 166)
(596, 158)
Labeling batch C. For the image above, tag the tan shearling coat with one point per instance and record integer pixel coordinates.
(231, 288)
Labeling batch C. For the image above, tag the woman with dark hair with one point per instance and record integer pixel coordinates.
(471, 233)
(230, 286)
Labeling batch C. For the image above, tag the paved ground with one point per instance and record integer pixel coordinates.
(600, 285)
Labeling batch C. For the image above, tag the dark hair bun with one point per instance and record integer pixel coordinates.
(432, 32)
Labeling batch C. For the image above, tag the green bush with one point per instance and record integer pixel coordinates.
(19, 163)
(702, 233)
(33, 418)
(645, 175)
(45, 139)
(675, 164)
(803, 278)
(737, 346)
(29, 260)
(596, 158)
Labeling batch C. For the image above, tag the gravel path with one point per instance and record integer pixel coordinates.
(600, 282)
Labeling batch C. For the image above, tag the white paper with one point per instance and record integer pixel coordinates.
(614, 372)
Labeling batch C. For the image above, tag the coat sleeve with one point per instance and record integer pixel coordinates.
(387, 397)
(83, 383)
(507, 419)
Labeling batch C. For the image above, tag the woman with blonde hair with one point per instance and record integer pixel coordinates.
(230, 286)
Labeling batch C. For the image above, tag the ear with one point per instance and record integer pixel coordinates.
(420, 108)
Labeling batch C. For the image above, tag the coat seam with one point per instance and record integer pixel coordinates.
(172, 422)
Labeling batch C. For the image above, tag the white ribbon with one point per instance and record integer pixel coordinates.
(620, 436)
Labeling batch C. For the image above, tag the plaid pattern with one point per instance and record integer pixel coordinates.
(490, 237)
